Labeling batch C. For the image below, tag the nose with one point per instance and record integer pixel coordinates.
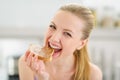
(55, 37)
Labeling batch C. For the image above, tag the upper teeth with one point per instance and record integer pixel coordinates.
(56, 47)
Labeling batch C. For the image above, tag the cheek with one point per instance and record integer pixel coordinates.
(47, 36)
(49, 32)
(69, 46)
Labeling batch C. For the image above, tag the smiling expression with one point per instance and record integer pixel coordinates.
(64, 34)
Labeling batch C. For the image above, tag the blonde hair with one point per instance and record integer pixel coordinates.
(82, 59)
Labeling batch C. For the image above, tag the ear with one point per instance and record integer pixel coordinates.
(82, 44)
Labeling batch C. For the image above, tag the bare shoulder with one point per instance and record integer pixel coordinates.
(96, 73)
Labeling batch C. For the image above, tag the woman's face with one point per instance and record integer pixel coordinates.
(64, 34)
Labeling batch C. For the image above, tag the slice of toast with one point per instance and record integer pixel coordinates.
(44, 53)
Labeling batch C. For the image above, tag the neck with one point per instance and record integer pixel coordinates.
(66, 64)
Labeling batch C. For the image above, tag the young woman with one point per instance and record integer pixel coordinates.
(67, 34)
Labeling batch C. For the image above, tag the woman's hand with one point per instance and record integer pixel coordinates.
(37, 65)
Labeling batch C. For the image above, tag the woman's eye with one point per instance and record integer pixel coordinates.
(67, 34)
(52, 27)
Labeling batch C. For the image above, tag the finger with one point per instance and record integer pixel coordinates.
(29, 59)
(36, 62)
(36, 57)
(42, 65)
(27, 54)
(39, 66)
(33, 61)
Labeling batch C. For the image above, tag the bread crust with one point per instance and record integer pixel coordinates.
(44, 53)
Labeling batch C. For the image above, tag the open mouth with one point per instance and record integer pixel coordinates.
(57, 50)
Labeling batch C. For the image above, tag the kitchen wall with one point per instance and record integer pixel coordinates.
(23, 22)
(104, 51)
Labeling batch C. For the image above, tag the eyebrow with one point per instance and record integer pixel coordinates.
(63, 29)
(53, 23)
(68, 30)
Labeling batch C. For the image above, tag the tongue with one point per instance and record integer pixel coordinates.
(56, 50)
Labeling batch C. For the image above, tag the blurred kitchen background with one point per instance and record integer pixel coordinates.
(23, 22)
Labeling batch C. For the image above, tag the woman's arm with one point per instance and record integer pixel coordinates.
(25, 73)
(96, 73)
